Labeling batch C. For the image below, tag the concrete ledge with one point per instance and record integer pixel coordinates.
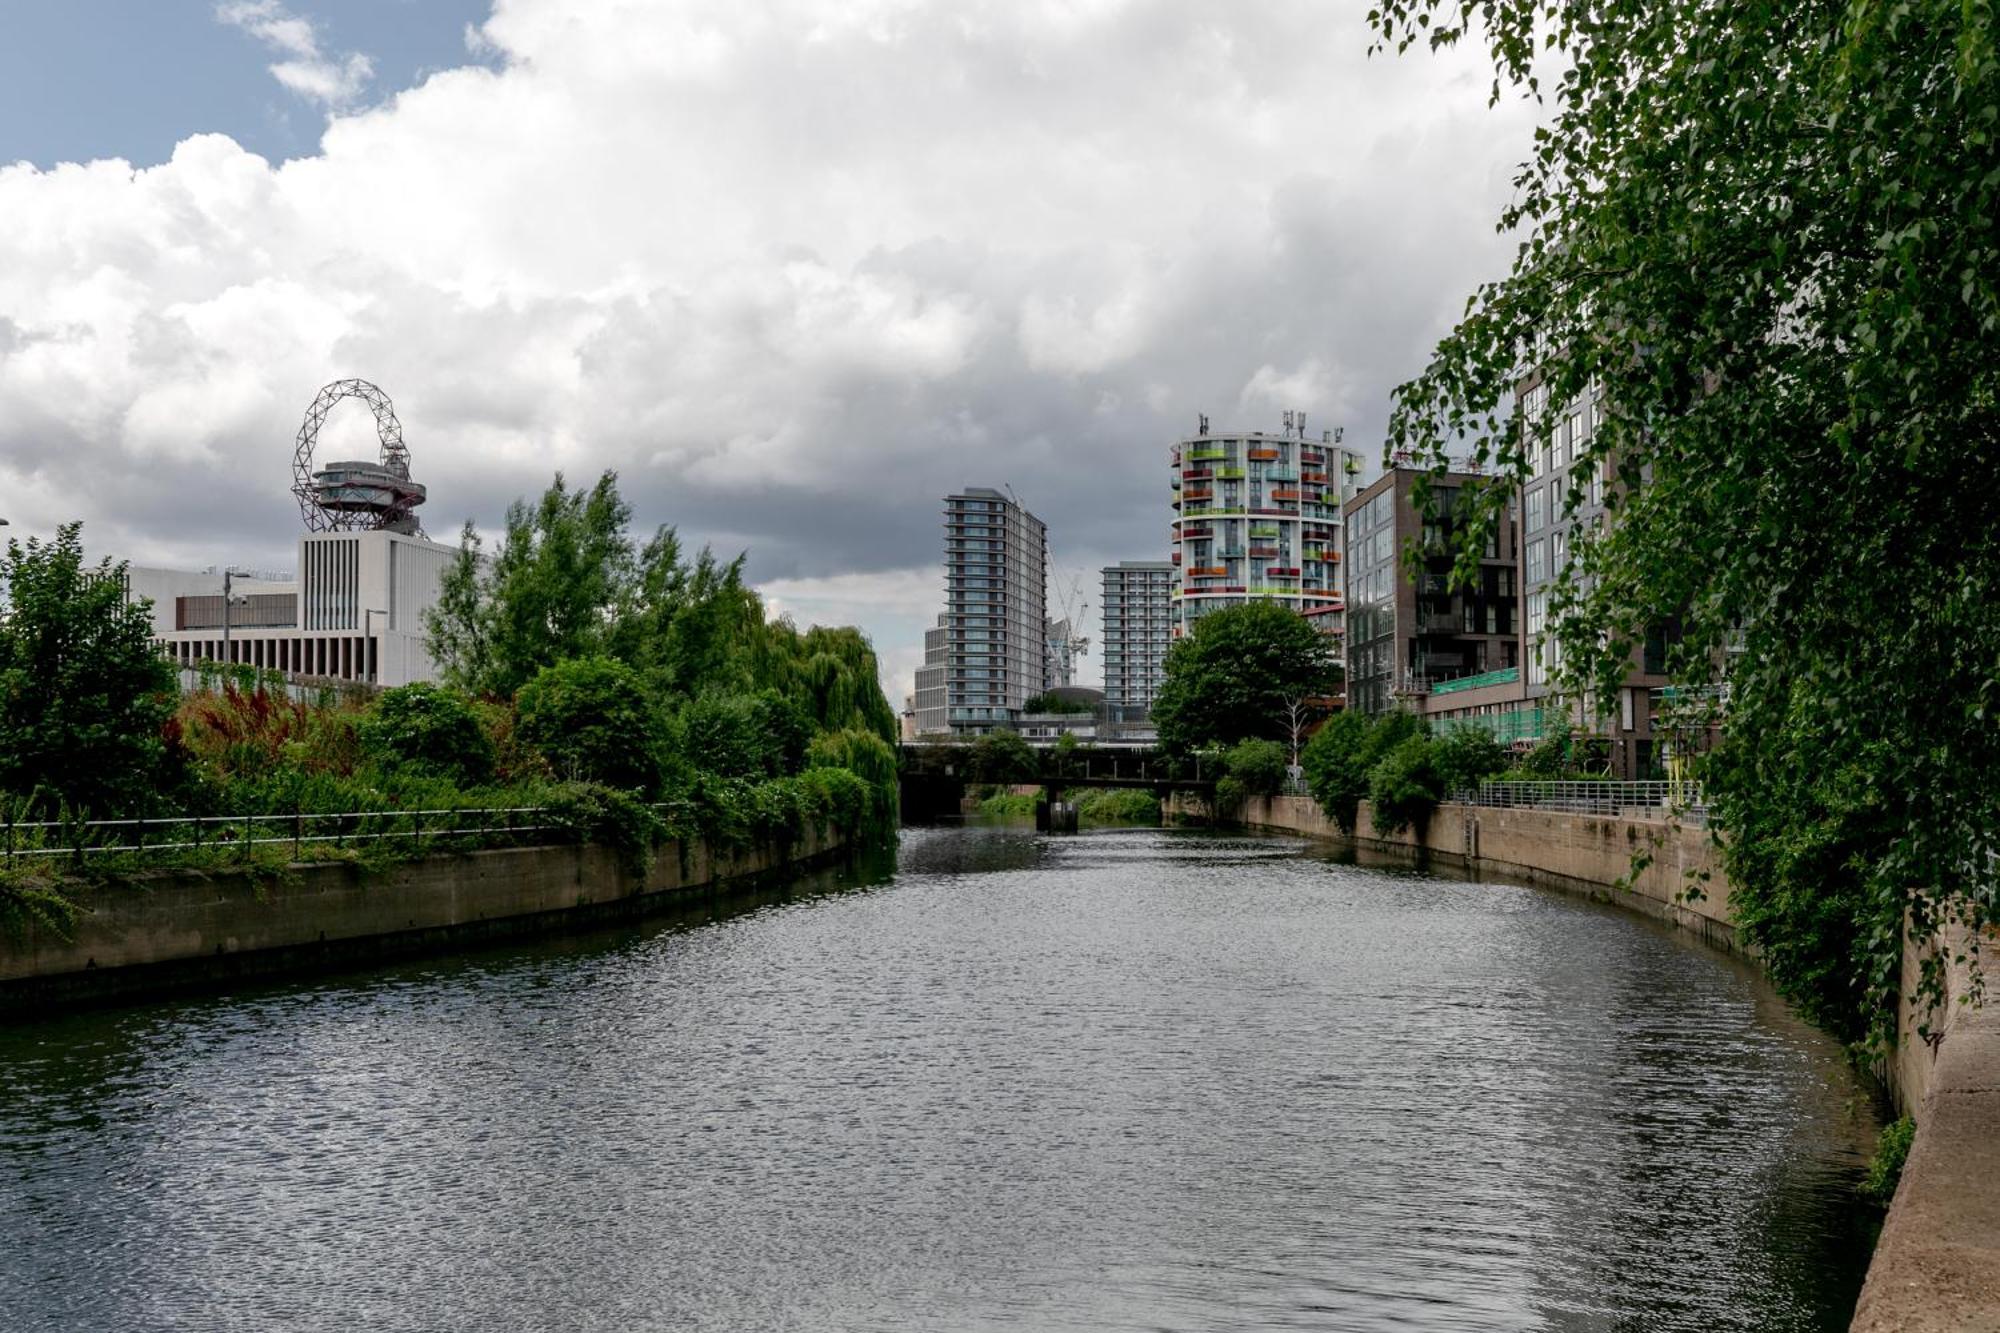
(1937, 1264)
(177, 930)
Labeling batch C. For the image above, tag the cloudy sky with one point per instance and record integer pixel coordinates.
(795, 268)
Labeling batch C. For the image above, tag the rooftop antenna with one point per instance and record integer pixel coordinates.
(1201, 417)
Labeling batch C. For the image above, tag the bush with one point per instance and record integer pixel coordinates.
(428, 730)
(1109, 805)
(1259, 765)
(1230, 793)
(1341, 757)
(1885, 1169)
(1404, 786)
(1466, 757)
(1002, 756)
(750, 736)
(591, 719)
(871, 759)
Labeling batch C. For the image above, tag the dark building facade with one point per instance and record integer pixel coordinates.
(1408, 633)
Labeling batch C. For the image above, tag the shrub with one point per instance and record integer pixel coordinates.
(1342, 755)
(428, 730)
(1230, 793)
(1002, 756)
(749, 736)
(1466, 757)
(1404, 786)
(591, 719)
(1105, 805)
(1259, 765)
(1885, 1169)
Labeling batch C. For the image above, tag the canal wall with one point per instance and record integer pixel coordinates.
(1669, 871)
(171, 930)
(1937, 1264)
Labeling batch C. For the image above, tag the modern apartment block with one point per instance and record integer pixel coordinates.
(1138, 626)
(996, 610)
(1259, 517)
(930, 707)
(1408, 636)
(1558, 435)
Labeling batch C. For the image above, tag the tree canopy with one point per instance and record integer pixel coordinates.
(1231, 677)
(1765, 237)
(84, 694)
(568, 581)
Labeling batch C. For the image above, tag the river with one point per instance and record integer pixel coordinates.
(1135, 1079)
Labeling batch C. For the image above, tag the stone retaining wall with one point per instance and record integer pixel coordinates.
(172, 929)
(1670, 871)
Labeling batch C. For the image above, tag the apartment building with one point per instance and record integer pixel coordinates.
(1411, 632)
(1258, 516)
(995, 626)
(1138, 626)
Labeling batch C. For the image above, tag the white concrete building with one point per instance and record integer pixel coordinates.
(1138, 620)
(354, 611)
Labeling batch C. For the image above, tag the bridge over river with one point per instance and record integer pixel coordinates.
(934, 777)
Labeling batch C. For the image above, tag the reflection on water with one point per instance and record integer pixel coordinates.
(1129, 1080)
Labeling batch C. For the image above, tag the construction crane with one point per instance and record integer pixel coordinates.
(1065, 644)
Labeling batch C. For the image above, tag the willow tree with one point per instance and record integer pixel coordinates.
(1770, 232)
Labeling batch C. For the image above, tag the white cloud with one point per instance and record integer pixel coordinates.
(796, 269)
(317, 76)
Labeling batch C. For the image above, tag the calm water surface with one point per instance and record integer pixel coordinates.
(1131, 1080)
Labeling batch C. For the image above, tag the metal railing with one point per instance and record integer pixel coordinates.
(1680, 801)
(227, 836)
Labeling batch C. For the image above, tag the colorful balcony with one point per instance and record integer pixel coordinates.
(1288, 493)
(1316, 478)
(1264, 455)
(1282, 571)
(1264, 530)
(1195, 474)
(1176, 557)
(1230, 473)
(1196, 493)
(1265, 552)
(1208, 571)
(1207, 455)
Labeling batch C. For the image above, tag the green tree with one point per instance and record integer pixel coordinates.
(428, 730)
(745, 735)
(1259, 765)
(84, 694)
(1230, 679)
(1466, 756)
(592, 720)
(1404, 785)
(1340, 758)
(1001, 756)
(1762, 242)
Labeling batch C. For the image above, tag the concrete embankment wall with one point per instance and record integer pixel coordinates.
(1665, 870)
(174, 929)
(1937, 1266)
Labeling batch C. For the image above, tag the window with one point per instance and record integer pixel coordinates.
(1538, 561)
(1575, 440)
(1538, 508)
(1559, 551)
(1597, 485)
(1538, 611)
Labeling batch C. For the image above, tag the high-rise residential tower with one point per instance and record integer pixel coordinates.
(996, 557)
(1259, 518)
(1138, 621)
